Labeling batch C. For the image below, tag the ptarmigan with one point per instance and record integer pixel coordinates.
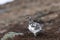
(34, 27)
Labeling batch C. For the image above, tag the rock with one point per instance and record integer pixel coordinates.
(50, 17)
(3, 31)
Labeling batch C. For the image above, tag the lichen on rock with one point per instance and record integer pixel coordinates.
(10, 35)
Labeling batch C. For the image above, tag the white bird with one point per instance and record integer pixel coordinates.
(34, 27)
(2, 2)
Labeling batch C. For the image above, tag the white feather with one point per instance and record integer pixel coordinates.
(34, 30)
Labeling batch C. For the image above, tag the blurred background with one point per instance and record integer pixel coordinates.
(14, 17)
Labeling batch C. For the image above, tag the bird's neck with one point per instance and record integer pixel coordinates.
(31, 21)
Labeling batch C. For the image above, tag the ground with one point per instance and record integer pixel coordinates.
(14, 17)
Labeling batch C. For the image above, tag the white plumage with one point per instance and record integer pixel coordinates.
(34, 27)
